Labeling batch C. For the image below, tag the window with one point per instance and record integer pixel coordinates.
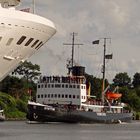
(38, 96)
(38, 86)
(62, 85)
(41, 95)
(38, 45)
(29, 41)
(78, 96)
(21, 40)
(78, 86)
(57, 85)
(52, 86)
(69, 96)
(66, 86)
(42, 86)
(48, 95)
(62, 95)
(74, 96)
(66, 96)
(52, 95)
(9, 41)
(35, 43)
(73, 86)
(0, 38)
(70, 86)
(58, 95)
(55, 95)
(48, 85)
(45, 96)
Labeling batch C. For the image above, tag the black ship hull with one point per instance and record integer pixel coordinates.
(44, 114)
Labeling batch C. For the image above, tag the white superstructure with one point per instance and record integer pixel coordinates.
(21, 35)
(61, 90)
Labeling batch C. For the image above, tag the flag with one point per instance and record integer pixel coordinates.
(96, 42)
(108, 56)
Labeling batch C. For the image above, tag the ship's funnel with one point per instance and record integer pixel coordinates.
(78, 71)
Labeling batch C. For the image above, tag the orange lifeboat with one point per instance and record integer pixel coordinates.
(113, 96)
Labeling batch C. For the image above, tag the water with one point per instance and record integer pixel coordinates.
(20, 130)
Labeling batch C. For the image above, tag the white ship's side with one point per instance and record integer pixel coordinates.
(21, 35)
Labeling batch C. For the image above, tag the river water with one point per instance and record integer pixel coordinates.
(20, 130)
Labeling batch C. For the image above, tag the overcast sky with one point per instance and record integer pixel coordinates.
(91, 19)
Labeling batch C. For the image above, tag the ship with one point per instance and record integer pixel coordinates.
(21, 35)
(67, 99)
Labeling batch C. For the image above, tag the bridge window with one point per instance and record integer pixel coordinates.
(21, 40)
(35, 43)
(29, 41)
(38, 46)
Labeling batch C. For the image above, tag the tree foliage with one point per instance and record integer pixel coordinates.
(28, 71)
(136, 80)
(122, 79)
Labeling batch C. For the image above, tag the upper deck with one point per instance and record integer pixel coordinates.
(63, 79)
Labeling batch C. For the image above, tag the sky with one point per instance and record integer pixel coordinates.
(91, 20)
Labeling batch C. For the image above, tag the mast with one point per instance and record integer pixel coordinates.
(73, 45)
(108, 56)
(104, 67)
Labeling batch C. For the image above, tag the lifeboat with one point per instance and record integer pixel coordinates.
(113, 96)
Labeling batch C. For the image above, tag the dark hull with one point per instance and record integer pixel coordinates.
(40, 114)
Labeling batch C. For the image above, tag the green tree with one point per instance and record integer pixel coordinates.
(122, 79)
(13, 86)
(28, 71)
(136, 80)
(96, 85)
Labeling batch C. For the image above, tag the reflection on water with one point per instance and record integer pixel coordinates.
(20, 130)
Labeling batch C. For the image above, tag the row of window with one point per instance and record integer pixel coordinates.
(60, 86)
(60, 96)
(24, 27)
(31, 41)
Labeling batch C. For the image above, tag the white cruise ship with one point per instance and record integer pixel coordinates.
(21, 35)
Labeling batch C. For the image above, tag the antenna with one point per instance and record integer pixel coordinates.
(73, 44)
